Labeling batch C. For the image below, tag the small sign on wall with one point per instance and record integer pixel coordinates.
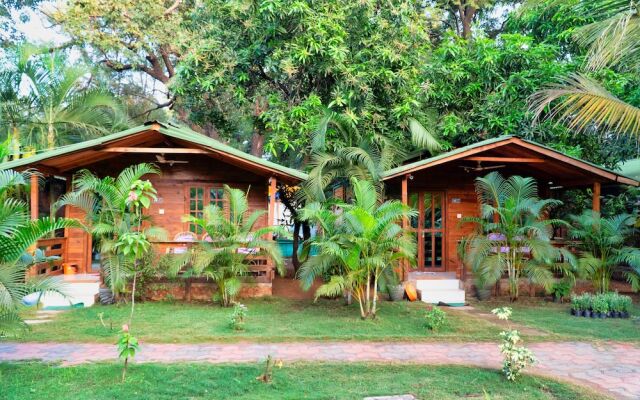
(456, 200)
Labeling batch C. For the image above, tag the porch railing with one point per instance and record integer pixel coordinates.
(53, 247)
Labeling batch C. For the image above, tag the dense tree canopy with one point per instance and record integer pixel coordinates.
(262, 75)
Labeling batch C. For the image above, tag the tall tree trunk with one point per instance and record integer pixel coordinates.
(296, 239)
(257, 143)
(466, 13)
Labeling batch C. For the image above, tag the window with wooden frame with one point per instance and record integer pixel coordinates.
(201, 196)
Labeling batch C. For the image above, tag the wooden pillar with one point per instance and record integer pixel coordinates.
(405, 221)
(596, 197)
(34, 197)
(273, 189)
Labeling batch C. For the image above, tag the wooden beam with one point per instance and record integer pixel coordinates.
(34, 197)
(153, 150)
(507, 159)
(596, 197)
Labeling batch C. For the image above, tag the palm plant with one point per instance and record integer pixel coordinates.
(18, 235)
(111, 213)
(351, 153)
(360, 247)
(612, 41)
(46, 102)
(602, 247)
(514, 234)
(231, 239)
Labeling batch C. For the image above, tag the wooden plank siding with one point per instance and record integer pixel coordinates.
(172, 186)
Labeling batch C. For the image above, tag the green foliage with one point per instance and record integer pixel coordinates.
(268, 69)
(45, 102)
(514, 235)
(127, 348)
(18, 235)
(230, 239)
(516, 357)
(603, 249)
(113, 214)
(601, 302)
(435, 318)
(239, 316)
(561, 289)
(361, 244)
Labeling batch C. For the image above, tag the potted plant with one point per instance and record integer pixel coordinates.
(625, 306)
(600, 306)
(576, 305)
(586, 305)
(614, 305)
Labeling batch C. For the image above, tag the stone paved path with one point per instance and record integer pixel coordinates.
(613, 368)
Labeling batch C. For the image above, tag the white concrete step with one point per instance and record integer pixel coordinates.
(437, 284)
(79, 288)
(451, 297)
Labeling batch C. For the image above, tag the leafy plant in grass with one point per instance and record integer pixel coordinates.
(18, 236)
(232, 239)
(113, 212)
(361, 245)
(239, 316)
(435, 318)
(601, 242)
(516, 358)
(514, 235)
(127, 348)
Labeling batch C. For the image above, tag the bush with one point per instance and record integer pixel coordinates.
(239, 316)
(560, 290)
(516, 357)
(435, 318)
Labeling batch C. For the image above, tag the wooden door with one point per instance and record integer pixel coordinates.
(429, 227)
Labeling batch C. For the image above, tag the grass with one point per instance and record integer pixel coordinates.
(293, 381)
(269, 319)
(555, 320)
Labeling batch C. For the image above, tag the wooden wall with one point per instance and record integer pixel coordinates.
(172, 187)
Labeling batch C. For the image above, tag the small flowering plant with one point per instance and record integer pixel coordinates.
(516, 357)
(239, 316)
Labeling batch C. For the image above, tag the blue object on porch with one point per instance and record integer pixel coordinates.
(286, 248)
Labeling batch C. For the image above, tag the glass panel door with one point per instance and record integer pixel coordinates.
(431, 239)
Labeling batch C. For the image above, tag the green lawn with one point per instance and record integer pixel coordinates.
(556, 320)
(294, 381)
(269, 319)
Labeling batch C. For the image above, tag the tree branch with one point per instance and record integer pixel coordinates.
(173, 7)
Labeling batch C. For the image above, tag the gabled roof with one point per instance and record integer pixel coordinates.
(496, 143)
(180, 133)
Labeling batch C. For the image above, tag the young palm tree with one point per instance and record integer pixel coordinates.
(353, 154)
(232, 239)
(18, 235)
(109, 215)
(361, 245)
(514, 234)
(47, 103)
(603, 249)
(613, 41)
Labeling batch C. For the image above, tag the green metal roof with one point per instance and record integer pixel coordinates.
(423, 163)
(166, 129)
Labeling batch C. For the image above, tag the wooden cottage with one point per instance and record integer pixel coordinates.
(442, 189)
(193, 170)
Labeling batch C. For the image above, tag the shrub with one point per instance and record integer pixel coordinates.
(561, 289)
(516, 358)
(625, 303)
(239, 316)
(435, 318)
